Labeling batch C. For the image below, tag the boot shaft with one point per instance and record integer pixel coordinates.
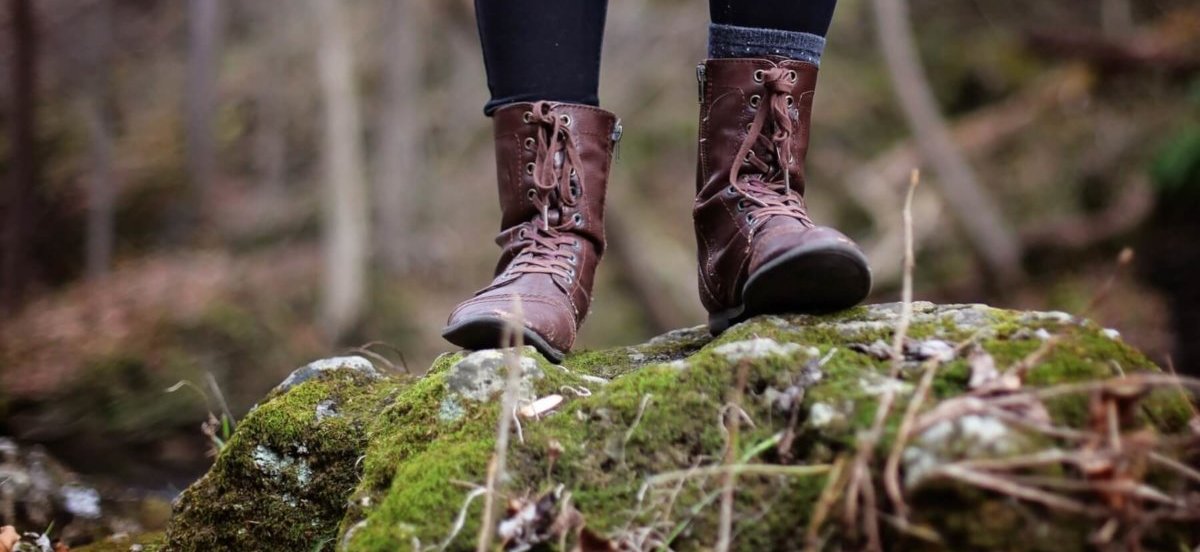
(520, 131)
(732, 94)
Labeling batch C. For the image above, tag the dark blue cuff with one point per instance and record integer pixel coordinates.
(731, 41)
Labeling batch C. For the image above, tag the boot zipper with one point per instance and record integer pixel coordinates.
(616, 138)
(700, 81)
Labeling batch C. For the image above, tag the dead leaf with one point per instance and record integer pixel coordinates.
(591, 542)
(983, 368)
(8, 538)
(541, 406)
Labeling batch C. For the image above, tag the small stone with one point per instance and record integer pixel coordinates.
(931, 349)
(480, 375)
(1111, 334)
(326, 409)
(821, 415)
(876, 385)
(877, 349)
(1042, 334)
(81, 501)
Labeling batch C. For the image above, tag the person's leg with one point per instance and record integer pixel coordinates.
(759, 250)
(793, 29)
(553, 150)
(541, 49)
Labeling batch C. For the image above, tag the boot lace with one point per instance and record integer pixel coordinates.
(769, 193)
(556, 184)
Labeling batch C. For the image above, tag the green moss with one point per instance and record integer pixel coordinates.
(283, 477)
(150, 542)
(656, 416)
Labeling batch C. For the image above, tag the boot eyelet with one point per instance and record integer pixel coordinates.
(575, 244)
(731, 191)
(565, 119)
(529, 143)
(741, 205)
(577, 218)
(750, 218)
(522, 234)
(572, 259)
(758, 75)
(531, 194)
(574, 190)
(529, 167)
(749, 127)
(791, 101)
(571, 272)
(791, 76)
(754, 101)
(527, 117)
(749, 156)
(573, 174)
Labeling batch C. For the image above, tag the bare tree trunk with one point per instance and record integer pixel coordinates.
(204, 35)
(1116, 17)
(993, 241)
(95, 107)
(345, 230)
(270, 138)
(399, 173)
(18, 194)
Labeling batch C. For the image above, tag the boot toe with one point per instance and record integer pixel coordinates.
(480, 322)
(778, 241)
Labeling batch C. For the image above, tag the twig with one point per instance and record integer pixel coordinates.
(514, 338)
(1004, 486)
(738, 469)
(907, 286)
(860, 477)
(1176, 465)
(1123, 259)
(1020, 369)
(891, 473)
(725, 529)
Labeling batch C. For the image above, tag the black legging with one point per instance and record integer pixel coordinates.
(550, 49)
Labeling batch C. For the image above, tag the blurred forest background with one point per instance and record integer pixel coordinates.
(219, 191)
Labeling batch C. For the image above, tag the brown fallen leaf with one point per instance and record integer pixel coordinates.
(8, 538)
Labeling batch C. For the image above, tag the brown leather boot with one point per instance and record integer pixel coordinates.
(759, 251)
(552, 163)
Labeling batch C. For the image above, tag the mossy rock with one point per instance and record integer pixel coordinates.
(398, 464)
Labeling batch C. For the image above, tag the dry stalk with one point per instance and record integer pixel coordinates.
(891, 471)
(513, 339)
(860, 478)
(736, 470)
(725, 530)
(829, 495)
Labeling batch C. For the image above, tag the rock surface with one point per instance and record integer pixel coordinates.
(353, 460)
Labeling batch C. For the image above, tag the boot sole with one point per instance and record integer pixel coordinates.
(486, 333)
(817, 278)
